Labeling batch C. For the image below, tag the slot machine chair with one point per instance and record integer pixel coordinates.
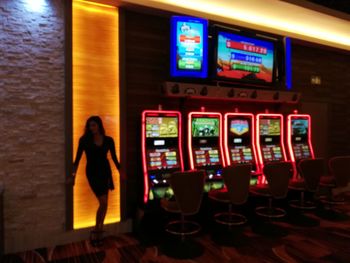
(310, 170)
(237, 182)
(188, 190)
(278, 175)
(339, 177)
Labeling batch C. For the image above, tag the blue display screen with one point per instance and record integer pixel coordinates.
(189, 47)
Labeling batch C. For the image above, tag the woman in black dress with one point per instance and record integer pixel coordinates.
(98, 171)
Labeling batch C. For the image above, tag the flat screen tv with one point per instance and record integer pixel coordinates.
(244, 58)
(189, 47)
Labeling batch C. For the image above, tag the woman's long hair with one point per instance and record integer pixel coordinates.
(87, 133)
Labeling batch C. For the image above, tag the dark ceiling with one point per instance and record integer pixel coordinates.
(339, 5)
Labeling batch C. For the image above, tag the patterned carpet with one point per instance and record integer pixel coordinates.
(328, 242)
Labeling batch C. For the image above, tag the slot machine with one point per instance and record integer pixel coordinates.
(270, 138)
(239, 141)
(299, 138)
(161, 151)
(205, 147)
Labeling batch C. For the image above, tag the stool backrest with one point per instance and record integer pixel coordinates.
(237, 181)
(188, 190)
(278, 175)
(340, 168)
(312, 170)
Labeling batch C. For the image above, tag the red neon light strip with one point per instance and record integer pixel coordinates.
(258, 145)
(251, 116)
(143, 144)
(189, 135)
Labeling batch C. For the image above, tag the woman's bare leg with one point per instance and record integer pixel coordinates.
(101, 212)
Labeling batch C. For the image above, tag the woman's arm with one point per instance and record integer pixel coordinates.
(113, 154)
(78, 156)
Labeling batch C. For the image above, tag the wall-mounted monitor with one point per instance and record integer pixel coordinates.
(244, 58)
(189, 47)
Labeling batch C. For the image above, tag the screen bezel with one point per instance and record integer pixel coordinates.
(249, 34)
(183, 74)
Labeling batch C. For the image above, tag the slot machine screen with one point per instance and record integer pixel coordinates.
(239, 127)
(241, 154)
(270, 130)
(300, 127)
(162, 159)
(207, 156)
(270, 127)
(240, 150)
(301, 148)
(301, 151)
(272, 153)
(205, 127)
(161, 127)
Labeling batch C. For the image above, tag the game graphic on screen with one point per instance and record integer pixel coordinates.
(244, 58)
(205, 156)
(239, 127)
(270, 127)
(241, 154)
(161, 127)
(205, 127)
(162, 159)
(300, 127)
(189, 44)
(272, 153)
(301, 151)
(189, 47)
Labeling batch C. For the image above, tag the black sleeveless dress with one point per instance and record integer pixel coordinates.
(98, 169)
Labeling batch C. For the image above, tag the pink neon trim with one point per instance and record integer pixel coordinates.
(189, 135)
(227, 152)
(157, 113)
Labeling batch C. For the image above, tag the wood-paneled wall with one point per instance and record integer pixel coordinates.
(147, 66)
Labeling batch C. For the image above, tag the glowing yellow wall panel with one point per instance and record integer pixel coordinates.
(95, 92)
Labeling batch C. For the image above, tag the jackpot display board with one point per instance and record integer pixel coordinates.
(205, 127)
(189, 44)
(244, 58)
